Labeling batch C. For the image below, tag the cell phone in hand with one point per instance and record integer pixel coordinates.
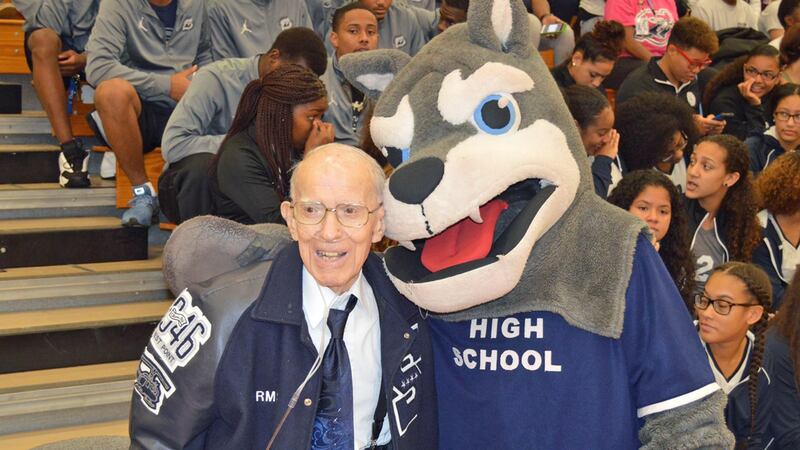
(553, 29)
(724, 116)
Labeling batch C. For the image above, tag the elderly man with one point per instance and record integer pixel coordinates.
(326, 331)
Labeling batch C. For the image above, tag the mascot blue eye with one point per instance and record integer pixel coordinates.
(497, 114)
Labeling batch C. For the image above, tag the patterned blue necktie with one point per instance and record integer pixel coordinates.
(333, 426)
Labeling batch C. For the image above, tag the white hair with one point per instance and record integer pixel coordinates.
(376, 172)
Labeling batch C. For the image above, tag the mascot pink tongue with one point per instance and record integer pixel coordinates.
(465, 241)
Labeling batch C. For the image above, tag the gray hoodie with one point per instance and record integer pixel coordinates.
(340, 106)
(242, 28)
(202, 117)
(128, 42)
(71, 19)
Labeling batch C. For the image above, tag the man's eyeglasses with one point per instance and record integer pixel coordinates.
(722, 307)
(351, 216)
(753, 72)
(784, 116)
(694, 63)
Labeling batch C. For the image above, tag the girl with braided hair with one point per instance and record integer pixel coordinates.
(652, 197)
(732, 317)
(721, 203)
(783, 347)
(279, 118)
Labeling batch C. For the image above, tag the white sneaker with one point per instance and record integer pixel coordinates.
(108, 168)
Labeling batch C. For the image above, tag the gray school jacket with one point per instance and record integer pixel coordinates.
(202, 117)
(406, 28)
(71, 19)
(28, 9)
(340, 106)
(128, 42)
(242, 28)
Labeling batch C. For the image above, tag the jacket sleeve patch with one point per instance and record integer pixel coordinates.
(152, 383)
(181, 333)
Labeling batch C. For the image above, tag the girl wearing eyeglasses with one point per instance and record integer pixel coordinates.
(784, 136)
(779, 191)
(721, 204)
(652, 197)
(278, 119)
(742, 89)
(732, 320)
(655, 128)
(783, 347)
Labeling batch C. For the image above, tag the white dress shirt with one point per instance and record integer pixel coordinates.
(362, 336)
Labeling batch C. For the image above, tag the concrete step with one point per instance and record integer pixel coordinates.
(47, 399)
(32, 289)
(31, 439)
(30, 102)
(67, 337)
(28, 163)
(29, 122)
(40, 200)
(69, 240)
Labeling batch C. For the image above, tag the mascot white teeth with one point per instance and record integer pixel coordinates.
(555, 323)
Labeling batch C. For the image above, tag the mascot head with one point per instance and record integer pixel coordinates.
(491, 158)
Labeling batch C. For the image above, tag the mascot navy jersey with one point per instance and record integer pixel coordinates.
(497, 373)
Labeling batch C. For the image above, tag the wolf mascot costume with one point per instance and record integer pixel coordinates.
(555, 324)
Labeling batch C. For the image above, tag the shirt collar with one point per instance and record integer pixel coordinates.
(317, 299)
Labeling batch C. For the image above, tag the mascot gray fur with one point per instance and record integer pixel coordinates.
(482, 120)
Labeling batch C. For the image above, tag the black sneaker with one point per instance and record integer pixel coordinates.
(73, 165)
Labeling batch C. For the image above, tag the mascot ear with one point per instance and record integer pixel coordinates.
(500, 26)
(371, 72)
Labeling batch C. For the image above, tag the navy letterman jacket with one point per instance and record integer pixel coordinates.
(768, 256)
(224, 361)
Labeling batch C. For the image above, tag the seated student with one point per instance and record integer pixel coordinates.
(779, 252)
(790, 55)
(768, 22)
(142, 54)
(55, 40)
(244, 28)
(742, 91)
(721, 204)
(732, 316)
(784, 136)
(647, 28)
(593, 58)
(652, 197)
(320, 309)
(354, 29)
(401, 26)
(655, 129)
(595, 120)
(687, 54)
(783, 346)
(722, 14)
(590, 12)
(203, 115)
(784, 15)
(279, 118)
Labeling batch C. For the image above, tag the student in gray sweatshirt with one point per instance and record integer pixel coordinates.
(55, 40)
(203, 115)
(354, 29)
(243, 28)
(401, 26)
(142, 55)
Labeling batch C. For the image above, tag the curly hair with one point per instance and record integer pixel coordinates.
(733, 73)
(787, 322)
(691, 32)
(675, 248)
(603, 43)
(790, 45)
(267, 103)
(740, 205)
(758, 286)
(778, 185)
(646, 124)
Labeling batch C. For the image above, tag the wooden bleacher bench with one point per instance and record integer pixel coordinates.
(12, 50)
